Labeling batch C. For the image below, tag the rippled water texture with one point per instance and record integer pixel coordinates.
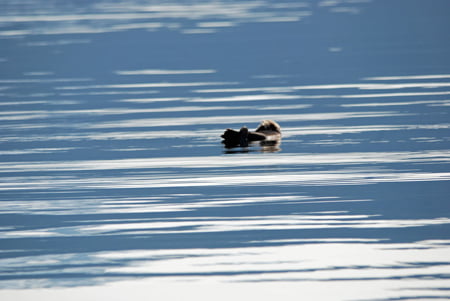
(114, 184)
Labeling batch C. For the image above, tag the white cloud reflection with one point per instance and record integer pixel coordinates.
(347, 269)
(208, 224)
(409, 77)
(165, 72)
(348, 169)
(237, 161)
(119, 16)
(144, 85)
(334, 177)
(183, 121)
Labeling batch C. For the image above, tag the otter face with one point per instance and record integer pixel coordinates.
(269, 125)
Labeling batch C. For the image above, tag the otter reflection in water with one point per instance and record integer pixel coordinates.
(267, 134)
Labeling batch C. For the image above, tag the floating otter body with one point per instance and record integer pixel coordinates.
(268, 133)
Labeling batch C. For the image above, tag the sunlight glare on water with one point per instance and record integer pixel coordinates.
(114, 183)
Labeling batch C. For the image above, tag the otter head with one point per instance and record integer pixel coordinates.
(269, 125)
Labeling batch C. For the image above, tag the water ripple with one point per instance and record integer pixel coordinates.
(114, 183)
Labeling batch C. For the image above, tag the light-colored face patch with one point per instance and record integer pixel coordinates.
(269, 125)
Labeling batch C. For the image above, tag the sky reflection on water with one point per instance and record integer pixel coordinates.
(114, 182)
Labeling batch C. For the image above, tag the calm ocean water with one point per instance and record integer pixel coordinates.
(114, 183)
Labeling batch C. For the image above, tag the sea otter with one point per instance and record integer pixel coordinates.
(267, 131)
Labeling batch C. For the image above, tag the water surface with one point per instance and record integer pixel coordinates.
(114, 182)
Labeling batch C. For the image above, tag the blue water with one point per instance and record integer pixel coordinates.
(115, 184)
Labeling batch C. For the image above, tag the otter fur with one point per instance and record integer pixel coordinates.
(268, 130)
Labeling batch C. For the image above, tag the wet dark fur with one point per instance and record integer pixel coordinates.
(267, 130)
